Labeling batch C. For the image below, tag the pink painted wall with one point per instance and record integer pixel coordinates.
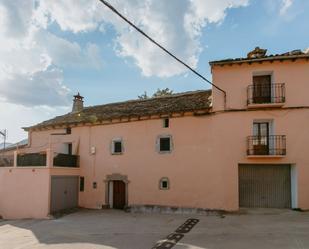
(235, 79)
(24, 193)
(203, 166)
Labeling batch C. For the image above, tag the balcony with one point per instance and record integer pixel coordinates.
(266, 146)
(47, 159)
(266, 95)
(65, 160)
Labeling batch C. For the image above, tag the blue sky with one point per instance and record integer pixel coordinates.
(54, 49)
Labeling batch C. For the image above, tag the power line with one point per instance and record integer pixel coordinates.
(4, 135)
(160, 46)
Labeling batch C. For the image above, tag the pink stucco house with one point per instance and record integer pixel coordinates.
(245, 146)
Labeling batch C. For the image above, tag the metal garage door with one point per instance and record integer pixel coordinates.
(265, 186)
(64, 193)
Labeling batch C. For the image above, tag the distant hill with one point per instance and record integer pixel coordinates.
(6, 145)
(10, 145)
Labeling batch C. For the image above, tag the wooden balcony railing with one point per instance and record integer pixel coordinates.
(274, 145)
(266, 94)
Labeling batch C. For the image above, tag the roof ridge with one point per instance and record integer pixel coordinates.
(177, 102)
(173, 95)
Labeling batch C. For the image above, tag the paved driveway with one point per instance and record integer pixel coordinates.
(116, 229)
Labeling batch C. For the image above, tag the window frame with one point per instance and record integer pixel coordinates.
(158, 144)
(164, 179)
(166, 123)
(114, 141)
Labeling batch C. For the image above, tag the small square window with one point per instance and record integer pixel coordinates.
(81, 184)
(164, 183)
(68, 130)
(117, 147)
(70, 148)
(166, 123)
(94, 185)
(165, 144)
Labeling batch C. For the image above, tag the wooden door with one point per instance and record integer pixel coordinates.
(261, 139)
(262, 89)
(119, 194)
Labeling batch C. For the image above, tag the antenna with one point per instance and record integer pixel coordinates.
(4, 134)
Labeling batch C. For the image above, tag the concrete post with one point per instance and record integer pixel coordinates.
(15, 158)
(49, 158)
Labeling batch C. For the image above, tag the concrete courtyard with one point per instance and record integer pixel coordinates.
(110, 229)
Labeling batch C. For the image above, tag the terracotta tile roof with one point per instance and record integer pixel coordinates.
(175, 103)
(292, 55)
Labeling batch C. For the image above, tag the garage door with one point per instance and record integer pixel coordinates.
(265, 186)
(64, 193)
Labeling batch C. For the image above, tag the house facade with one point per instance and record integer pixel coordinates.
(241, 146)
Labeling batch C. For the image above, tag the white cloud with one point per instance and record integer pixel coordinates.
(32, 58)
(14, 116)
(28, 52)
(176, 24)
(34, 89)
(285, 5)
(15, 17)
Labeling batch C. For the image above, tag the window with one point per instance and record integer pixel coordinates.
(117, 146)
(263, 141)
(262, 89)
(68, 130)
(164, 144)
(164, 183)
(94, 185)
(166, 123)
(69, 149)
(81, 184)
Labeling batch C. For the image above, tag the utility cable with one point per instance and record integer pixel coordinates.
(107, 4)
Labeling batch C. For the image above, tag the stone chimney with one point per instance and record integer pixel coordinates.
(78, 103)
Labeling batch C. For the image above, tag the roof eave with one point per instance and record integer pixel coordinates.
(269, 58)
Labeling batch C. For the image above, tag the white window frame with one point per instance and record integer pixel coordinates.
(115, 140)
(163, 123)
(164, 179)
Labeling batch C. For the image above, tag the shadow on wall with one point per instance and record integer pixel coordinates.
(109, 228)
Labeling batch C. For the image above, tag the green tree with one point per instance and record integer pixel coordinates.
(158, 93)
(162, 92)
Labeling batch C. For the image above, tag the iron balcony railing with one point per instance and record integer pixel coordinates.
(66, 160)
(266, 94)
(266, 145)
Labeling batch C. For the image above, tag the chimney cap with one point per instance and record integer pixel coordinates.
(78, 96)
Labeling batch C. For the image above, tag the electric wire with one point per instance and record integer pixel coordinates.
(113, 9)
